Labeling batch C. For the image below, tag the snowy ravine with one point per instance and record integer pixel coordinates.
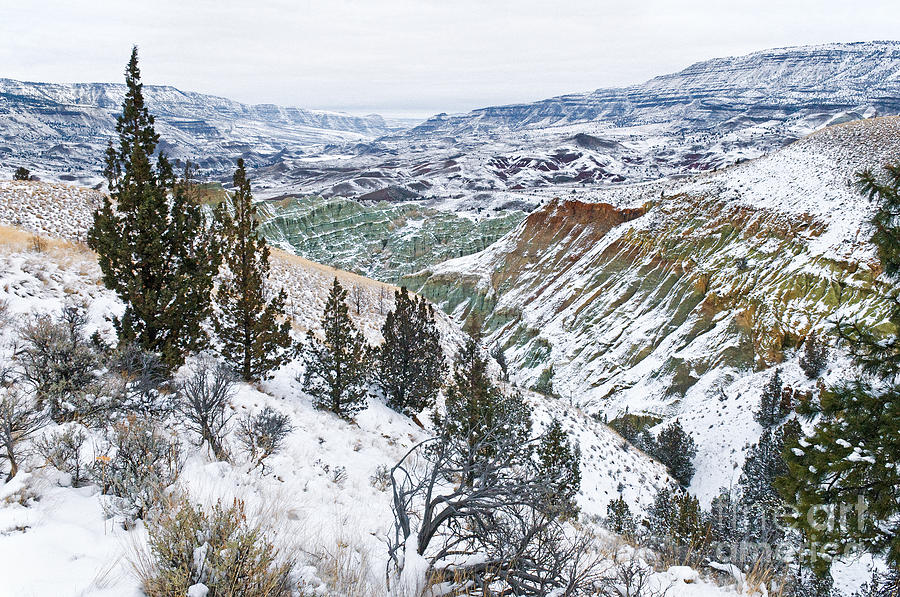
(679, 297)
(56, 540)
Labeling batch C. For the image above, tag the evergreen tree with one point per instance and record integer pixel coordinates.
(21, 173)
(768, 414)
(814, 357)
(475, 407)
(619, 518)
(154, 245)
(676, 449)
(677, 519)
(410, 366)
(849, 461)
(337, 367)
(544, 383)
(559, 463)
(252, 327)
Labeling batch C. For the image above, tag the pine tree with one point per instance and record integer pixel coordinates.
(814, 357)
(770, 402)
(475, 406)
(849, 461)
(252, 327)
(337, 367)
(410, 368)
(154, 245)
(22, 173)
(676, 449)
(619, 518)
(559, 463)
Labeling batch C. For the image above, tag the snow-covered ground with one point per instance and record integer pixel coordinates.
(318, 492)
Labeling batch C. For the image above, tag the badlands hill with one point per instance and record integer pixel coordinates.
(678, 297)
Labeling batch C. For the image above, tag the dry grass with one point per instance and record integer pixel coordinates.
(14, 240)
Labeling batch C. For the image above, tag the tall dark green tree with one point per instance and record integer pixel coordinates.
(410, 369)
(338, 365)
(559, 464)
(477, 408)
(155, 247)
(251, 324)
(768, 414)
(847, 465)
(676, 449)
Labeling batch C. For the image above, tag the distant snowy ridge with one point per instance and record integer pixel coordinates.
(61, 131)
(708, 116)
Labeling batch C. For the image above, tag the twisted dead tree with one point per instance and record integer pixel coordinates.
(481, 525)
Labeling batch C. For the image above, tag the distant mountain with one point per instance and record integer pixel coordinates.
(711, 114)
(781, 84)
(61, 130)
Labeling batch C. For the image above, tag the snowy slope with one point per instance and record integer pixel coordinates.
(677, 297)
(318, 492)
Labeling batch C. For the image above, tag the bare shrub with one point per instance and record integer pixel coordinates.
(140, 463)
(204, 400)
(58, 363)
(64, 451)
(19, 420)
(481, 523)
(263, 434)
(137, 381)
(218, 547)
(381, 478)
(37, 243)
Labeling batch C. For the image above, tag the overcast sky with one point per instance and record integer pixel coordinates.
(408, 58)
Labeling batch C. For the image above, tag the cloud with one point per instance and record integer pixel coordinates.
(419, 56)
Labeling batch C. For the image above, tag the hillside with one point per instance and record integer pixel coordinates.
(710, 115)
(678, 297)
(60, 130)
(318, 491)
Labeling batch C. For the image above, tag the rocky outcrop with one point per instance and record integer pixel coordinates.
(384, 240)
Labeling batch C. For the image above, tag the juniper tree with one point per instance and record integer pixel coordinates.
(619, 518)
(410, 367)
(848, 461)
(676, 449)
(251, 324)
(814, 357)
(474, 405)
(768, 413)
(154, 245)
(337, 366)
(559, 464)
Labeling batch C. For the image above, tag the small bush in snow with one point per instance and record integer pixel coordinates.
(217, 547)
(263, 434)
(137, 378)
(57, 362)
(19, 420)
(381, 478)
(142, 460)
(64, 451)
(204, 400)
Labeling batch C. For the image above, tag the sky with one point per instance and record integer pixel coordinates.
(404, 58)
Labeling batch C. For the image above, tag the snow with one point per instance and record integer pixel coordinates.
(317, 493)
